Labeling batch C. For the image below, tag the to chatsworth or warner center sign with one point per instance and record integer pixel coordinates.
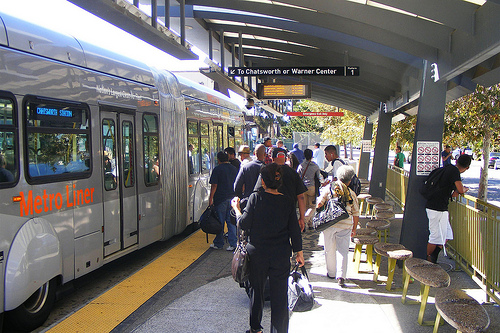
(290, 71)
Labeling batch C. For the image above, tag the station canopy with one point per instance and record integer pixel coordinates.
(388, 40)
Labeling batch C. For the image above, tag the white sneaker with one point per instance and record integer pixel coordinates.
(215, 247)
(230, 248)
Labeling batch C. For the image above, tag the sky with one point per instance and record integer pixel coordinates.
(62, 15)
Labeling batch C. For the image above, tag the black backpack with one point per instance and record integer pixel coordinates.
(355, 183)
(431, 184)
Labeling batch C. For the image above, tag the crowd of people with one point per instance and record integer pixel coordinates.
(274, 196)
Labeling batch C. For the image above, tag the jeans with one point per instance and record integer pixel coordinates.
(223, 211)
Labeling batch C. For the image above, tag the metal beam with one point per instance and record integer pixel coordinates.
(121, 16)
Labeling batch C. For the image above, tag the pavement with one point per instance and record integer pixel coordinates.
(204, 298)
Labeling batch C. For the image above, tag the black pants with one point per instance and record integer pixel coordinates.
(277, 267)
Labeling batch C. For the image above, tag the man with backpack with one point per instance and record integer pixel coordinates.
(441, 185)
(332, 157)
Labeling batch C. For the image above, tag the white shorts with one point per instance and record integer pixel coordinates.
(439, 227)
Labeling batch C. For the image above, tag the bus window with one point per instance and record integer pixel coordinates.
(238, 137)
(109, 144)
(193, 147)
(128, 153)
(58, 140)
(205, 147)
(8, 143)
(151, 149)
(230, 138)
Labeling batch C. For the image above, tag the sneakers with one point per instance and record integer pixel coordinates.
(230, 248)
(215, 247)
(341, 282)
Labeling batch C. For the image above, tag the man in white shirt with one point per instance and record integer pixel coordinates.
(318, 156)
(332, 156)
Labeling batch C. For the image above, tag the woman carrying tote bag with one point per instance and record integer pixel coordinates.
(337, 237)
(271, 223)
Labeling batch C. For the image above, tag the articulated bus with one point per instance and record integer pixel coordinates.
(100, 155)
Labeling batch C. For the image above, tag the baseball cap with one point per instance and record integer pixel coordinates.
(277, 151)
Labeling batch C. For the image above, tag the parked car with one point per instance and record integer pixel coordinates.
(493, 158)
(497, 164)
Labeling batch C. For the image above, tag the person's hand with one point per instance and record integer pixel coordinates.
(299, 258)
(235, 203)
(353, 232)
(302, 224)
(466, 189)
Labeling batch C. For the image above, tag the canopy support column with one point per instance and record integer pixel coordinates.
(364, 158)
(429, 127)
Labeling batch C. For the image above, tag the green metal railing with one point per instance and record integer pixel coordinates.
(476, 229)
(397, 184)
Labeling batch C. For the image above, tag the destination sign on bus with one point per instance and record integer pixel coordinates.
(294, 71)
(54, 112)
(283, 91)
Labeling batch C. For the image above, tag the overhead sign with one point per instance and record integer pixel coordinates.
(294, 71)
(283, 91)
(317, 114)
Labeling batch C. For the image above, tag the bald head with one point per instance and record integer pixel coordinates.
(260, 152)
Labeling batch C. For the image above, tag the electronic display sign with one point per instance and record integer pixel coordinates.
(283, 91)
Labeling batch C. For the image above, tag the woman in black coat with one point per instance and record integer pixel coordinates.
(271, 222)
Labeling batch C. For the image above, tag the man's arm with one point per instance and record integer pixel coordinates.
(213, 188)
(461, 189)
(302, 210)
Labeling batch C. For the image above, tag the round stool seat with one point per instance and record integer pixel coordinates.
(461, 311)
(364, 240)
(382, 206)
(366, 232)
(378, 224)
(427, 273)
(393, 251)
(374, 200)
(384, 214)
(364, 196)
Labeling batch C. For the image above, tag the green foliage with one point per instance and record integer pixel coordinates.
(348, 128)
(470, 117)
(304, 124)
(403, 133)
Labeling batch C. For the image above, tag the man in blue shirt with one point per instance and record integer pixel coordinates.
(297, 152)
(221, 193)
(447, 156)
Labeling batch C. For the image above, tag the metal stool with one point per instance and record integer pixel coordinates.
(393, 252)
(381, 207)
(384, 215)
(361, 200)
(429, 275)
(360, 241)
(380, 226)
(370, 202)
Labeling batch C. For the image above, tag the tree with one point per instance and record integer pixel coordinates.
(346, 129)
(475, 118)
(304, 124)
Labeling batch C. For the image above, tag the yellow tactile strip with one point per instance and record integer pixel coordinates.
(108, 310)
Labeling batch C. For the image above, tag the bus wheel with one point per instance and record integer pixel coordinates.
(35, 310)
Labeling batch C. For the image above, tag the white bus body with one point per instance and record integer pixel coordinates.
(96, 160)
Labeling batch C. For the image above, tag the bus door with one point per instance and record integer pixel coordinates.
(119, 181)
